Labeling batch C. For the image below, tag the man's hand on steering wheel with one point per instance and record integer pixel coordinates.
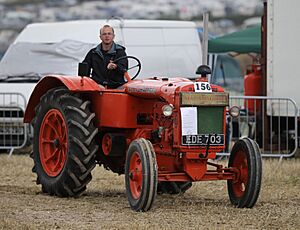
(111, 65)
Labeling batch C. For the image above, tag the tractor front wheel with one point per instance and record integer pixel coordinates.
(141, 175)
(64, 143)
(246, 158)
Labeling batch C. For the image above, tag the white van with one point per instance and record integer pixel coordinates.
(165, 48)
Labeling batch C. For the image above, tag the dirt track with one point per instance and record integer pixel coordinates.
(104, 204)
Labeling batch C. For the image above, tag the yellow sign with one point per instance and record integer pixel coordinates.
(204, 99)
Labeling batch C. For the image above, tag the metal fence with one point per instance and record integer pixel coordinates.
(271, 122)
(13, 132)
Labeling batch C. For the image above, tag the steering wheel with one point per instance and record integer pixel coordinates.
(131, 67)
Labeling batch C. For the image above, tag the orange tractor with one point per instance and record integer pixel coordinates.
(162, 133)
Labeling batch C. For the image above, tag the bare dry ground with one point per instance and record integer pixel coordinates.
(104, 204)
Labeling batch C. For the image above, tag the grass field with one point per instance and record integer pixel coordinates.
(104, 204)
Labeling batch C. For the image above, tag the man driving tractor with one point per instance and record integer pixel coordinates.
(161, 133)
(101, 60)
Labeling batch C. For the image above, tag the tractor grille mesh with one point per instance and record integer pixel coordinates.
(210, 110)
(210, 119)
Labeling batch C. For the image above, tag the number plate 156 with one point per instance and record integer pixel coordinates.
(202, 87)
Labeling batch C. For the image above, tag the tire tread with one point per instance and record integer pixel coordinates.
(82, 147)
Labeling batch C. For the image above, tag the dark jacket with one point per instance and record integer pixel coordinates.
(98, 60)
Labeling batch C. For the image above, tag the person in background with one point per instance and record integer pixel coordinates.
(101, 60)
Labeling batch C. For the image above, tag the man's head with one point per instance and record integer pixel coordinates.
(107, 34)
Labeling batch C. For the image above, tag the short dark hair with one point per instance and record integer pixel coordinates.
(107, 26)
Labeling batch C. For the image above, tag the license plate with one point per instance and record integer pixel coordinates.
(201, 139)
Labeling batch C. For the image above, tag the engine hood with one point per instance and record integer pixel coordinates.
(158, 87)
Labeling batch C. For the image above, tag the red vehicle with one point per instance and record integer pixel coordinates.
(162, 133)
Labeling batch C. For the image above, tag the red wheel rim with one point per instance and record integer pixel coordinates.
(240, 162)
(53, 144)
(136, 175)
(106, 144)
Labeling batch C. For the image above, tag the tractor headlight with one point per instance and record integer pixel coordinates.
(167, 110)
(234, 111)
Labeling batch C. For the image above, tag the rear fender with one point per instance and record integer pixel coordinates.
(73, 83)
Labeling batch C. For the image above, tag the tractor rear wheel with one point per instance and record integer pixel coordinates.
(141, 175)
(245, 156)
(173, 187)
(64, 143)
